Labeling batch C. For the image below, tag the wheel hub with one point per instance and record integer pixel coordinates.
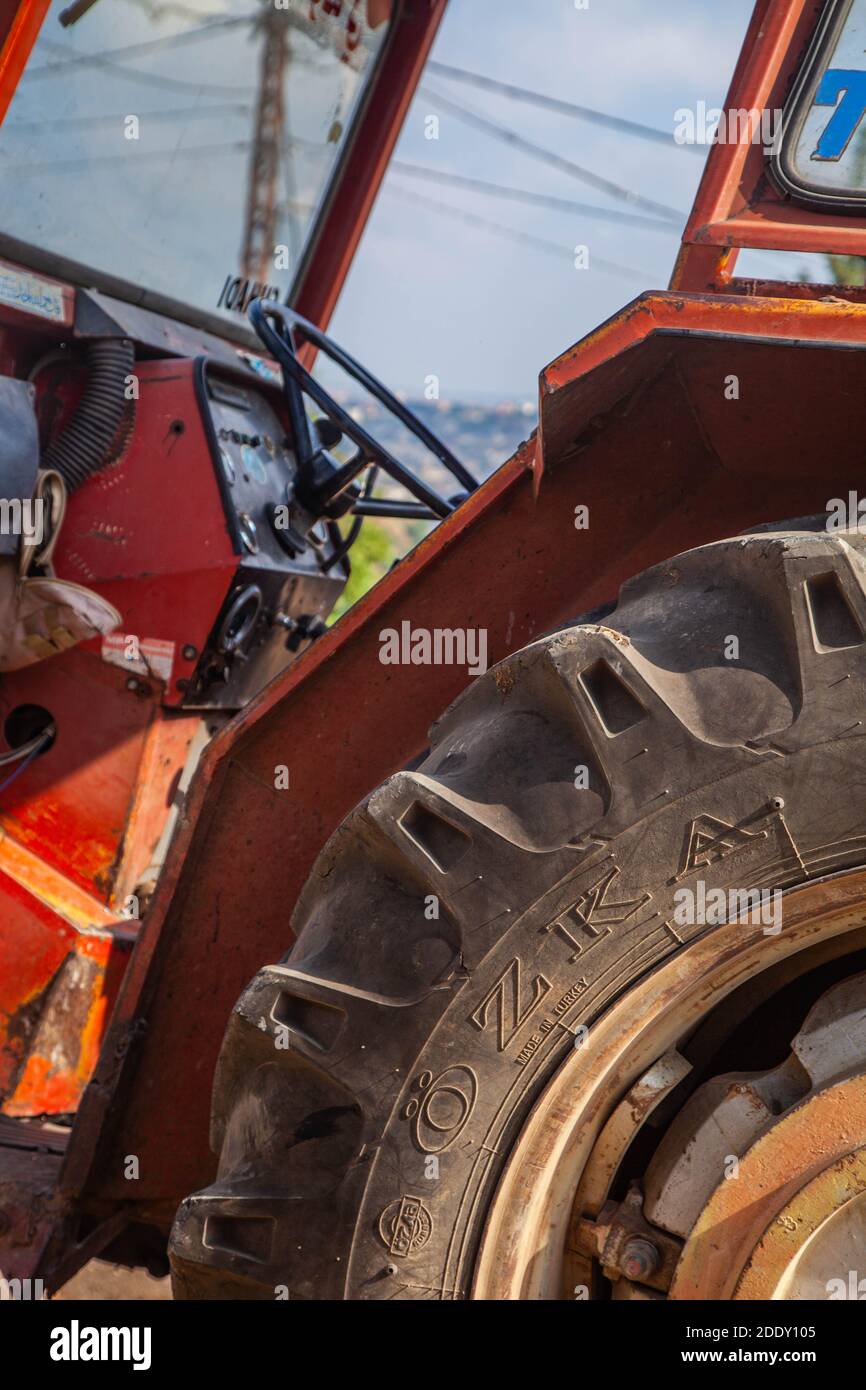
(770, 1177)
(757, 1188)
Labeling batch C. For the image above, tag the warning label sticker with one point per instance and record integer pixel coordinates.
(143, 656)
(31, 294)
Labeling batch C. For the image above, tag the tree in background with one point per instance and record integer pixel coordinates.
(847, 270)
(371, 557)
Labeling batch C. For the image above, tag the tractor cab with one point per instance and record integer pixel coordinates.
(178, 512)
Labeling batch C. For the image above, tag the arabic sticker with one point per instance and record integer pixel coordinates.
(31, 295)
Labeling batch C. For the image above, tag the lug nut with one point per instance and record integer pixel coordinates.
(640, 1259)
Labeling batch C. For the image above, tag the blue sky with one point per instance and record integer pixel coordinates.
(428, 295)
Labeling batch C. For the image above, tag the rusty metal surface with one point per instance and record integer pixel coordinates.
(729, 1112)
(70, 808)
(737, 204)
(773, 1260)
(634, 424)
(629, 1116)
(795, 1173)
(64, 1028)
(642, 1098)
(810, 1139)
(530, 1225)
(34, 1135)
(58, 985)
(30, 1159)
(628, 1247)
(61, 955)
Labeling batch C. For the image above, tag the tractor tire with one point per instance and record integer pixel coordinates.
(471, 919)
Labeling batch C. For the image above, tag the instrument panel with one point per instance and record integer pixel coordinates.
(284, 586)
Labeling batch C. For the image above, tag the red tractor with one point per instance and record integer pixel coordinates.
(594, 945)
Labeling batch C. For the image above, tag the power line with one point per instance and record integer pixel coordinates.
(108, 57)
(140, 156)
(540, 243)
(132, 157)
(510, 137)
(180, 113)
(158, 10)
(149, 79)
(135, 50)
(566, 108)
(523, 195)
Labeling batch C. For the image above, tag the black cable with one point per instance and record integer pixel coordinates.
(523, 195)
(149, 156)
(103, 419)
(113, 119)
(472, 220)
(137, 50)
(565, 108)
(568, 166)
(31, 747)
(27, 753)
(150, 79)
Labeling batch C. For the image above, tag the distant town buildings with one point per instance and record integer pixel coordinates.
(481, 436)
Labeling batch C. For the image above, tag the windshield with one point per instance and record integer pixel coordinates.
(185, 145)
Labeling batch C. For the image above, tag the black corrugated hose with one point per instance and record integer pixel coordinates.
(100, 427)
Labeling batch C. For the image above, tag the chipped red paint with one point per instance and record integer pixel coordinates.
(737, 204)
(38, 955)
(33, 943)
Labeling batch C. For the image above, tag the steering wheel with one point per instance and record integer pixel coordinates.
(325, 486)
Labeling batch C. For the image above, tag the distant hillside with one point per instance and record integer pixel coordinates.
(482, 437)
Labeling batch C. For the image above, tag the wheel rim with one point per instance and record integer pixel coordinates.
(579, 1125)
